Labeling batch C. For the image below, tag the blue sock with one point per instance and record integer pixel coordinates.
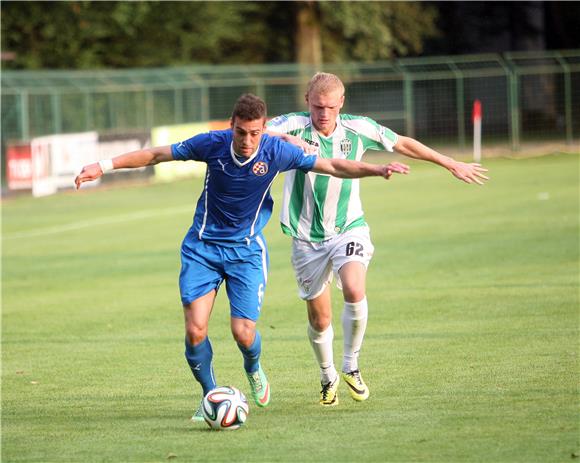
(199, 358)
(252, 354)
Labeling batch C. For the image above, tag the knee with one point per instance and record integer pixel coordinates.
(353, 280)
(353, 293)
(195, 334)
(320, 322)
(243, 335)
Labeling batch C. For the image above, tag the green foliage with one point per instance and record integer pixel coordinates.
(134, 34)
(370, 31)
(471, 351)
(93, 34)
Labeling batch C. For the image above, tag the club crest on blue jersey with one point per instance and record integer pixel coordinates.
(260, 168)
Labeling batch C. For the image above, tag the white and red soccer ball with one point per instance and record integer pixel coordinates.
(225, 408)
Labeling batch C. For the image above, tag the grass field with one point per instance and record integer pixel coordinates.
(471, 351)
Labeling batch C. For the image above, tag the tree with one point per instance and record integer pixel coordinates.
(307, 37)
(135, 34)
(370, 31)
(93, 34)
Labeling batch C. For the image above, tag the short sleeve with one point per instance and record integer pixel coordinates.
(289, 123)
(293, 157)
(373, 135)
(388, 137)
(279, 124)
(195, 148)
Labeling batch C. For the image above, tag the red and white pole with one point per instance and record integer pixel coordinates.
(476, 116)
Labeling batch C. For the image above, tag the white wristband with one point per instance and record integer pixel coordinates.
(106, 165)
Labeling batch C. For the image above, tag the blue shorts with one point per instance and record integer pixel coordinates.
(205, 265)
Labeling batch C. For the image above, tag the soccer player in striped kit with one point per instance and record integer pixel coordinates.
(225, 241)
(324, 217)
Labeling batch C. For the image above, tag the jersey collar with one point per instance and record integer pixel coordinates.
(338, 130)
(248, 160)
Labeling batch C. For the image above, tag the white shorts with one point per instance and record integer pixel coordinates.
(315, 263)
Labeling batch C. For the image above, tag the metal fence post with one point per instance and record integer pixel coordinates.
(567, 99)
(205, 113)
(178, 102)
(111, 107)
(514, 110)
(460, 102)
(408, 96)
(260, 89)
(24, 119)
(149, 108)
(460, 95)
(56, 111)
(88, 103)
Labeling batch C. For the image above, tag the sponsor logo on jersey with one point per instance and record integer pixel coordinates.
(345, 146)
(277, 121)
(313, 143)
(386, 133)
(260, 168)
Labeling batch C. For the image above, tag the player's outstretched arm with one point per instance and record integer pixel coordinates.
(140, 158)
(467, 172)
(343, 168)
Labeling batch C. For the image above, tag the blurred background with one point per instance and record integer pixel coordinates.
(86, 80)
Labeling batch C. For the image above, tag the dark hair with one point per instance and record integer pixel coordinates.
(249, 108)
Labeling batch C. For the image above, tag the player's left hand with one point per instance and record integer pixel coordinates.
(306, 147)
(469, 172)
(395, 168)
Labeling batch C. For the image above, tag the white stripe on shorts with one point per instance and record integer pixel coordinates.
(264, 262)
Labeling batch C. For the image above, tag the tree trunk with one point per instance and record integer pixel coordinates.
(308, 45)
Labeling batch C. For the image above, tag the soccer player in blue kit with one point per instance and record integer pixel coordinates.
(225, 241)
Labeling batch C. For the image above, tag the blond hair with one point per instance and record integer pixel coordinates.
(323, 82)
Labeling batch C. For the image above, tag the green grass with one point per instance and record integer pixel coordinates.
(471, 351)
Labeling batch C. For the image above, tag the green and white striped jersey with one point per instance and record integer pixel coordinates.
(316, 207)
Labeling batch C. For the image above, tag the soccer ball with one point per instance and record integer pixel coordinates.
(225, 407)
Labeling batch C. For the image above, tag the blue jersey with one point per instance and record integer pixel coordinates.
(235, 203)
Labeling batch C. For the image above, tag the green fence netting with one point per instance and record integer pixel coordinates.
(525, 96)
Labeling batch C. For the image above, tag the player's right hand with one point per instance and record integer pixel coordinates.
(88, 173)
(395, 167)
